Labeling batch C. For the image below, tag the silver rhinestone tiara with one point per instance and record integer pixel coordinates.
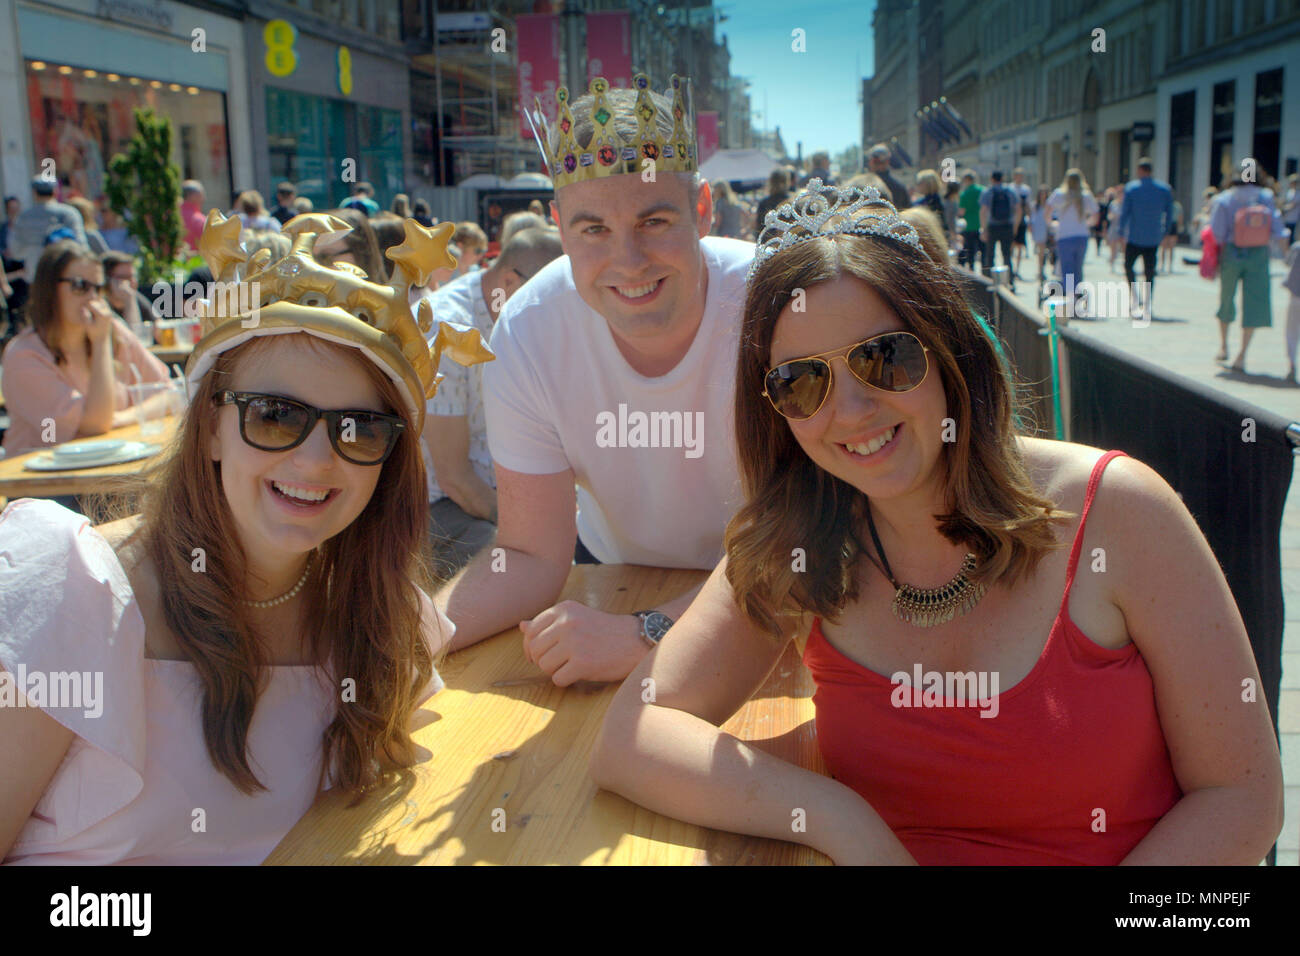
(822, 211)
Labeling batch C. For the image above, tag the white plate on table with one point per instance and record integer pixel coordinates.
(92, 454)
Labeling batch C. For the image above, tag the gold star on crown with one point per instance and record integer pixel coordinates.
(256, 296)
(608, 154)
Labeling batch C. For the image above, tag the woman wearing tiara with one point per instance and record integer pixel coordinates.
(257, 632)
(1061, 716)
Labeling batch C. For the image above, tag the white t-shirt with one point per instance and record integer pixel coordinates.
(461, 390)
(654, 458)
(465, 292)
(1071, 226)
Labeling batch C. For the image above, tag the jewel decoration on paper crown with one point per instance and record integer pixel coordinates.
(822, 211)
(608, 154)
(344, 290)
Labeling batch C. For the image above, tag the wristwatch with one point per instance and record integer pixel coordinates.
(654, 625)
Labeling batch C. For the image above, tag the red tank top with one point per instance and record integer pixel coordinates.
(1072, 770)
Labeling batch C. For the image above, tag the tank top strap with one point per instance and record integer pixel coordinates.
(1093, 481)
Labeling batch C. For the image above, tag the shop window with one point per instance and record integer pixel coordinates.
(1267, 140)
(82, 118)
(1223, 115)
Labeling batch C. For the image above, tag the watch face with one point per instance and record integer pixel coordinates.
(656, 625)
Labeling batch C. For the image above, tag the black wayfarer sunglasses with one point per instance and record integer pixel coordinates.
(274, 423)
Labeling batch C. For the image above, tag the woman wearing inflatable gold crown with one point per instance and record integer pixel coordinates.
(257, 632)
(982, 696)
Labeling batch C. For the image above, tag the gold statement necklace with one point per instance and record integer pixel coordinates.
(928, 607)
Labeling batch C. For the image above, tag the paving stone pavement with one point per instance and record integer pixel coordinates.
(1183, 337)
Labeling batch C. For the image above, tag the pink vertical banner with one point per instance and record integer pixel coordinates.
(706, 126)
(537, 39)
(609, 48)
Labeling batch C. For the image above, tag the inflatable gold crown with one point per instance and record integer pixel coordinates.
(608, 154)
(258, 296)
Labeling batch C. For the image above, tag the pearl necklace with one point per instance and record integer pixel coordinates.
(272, 602)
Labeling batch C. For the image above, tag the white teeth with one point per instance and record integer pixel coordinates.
(873, 446)
(637, 291)
(302, 494)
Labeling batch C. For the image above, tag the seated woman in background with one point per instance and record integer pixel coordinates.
(123, 292)
(258, 632)
(65, 376)
(981, 698)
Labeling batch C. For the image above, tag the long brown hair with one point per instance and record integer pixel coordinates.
(362, 604)
(791, 502)
(43, 299)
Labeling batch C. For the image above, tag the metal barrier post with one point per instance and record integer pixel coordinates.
(999, 274)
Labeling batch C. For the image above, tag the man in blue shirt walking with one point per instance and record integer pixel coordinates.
(1144, 219)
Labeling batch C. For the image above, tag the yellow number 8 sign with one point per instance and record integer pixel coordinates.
(345, 71)
(281, 60)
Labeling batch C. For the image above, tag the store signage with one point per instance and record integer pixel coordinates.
(537, 45)
(135, 11)
(345, 71)
(281, 58)
(1144, 132)
(706, 127)
(463, 21)
(609, 48)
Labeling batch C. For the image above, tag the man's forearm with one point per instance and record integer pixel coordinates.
(678, 605)
(497, 590)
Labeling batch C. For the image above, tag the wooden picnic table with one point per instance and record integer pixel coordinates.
(501, 744)
(18, 482)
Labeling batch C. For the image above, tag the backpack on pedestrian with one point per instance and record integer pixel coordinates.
(1252, 226)
(1000, 206)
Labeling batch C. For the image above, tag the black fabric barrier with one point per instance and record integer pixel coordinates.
(1195, 438)
(1027, 350)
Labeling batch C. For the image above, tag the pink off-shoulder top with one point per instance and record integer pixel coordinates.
(136, 785)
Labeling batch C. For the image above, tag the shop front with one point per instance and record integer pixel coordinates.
(334, 113)
(83, 75)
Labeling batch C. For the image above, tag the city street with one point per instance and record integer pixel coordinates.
(1183, 337)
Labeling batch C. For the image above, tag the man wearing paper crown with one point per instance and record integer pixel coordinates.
(613, 373)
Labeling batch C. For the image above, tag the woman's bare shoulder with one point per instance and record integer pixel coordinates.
(120, 533)
(1059, 469)
(1062, 471)
(125, 538)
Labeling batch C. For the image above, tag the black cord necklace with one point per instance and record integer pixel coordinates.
(928, 607)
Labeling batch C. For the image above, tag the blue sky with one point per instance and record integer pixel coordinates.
(812, 96)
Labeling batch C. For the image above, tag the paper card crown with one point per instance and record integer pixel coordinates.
(608, 153)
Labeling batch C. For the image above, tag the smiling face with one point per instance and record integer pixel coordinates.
(260, 486)
(844, 437)
(635, 249)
